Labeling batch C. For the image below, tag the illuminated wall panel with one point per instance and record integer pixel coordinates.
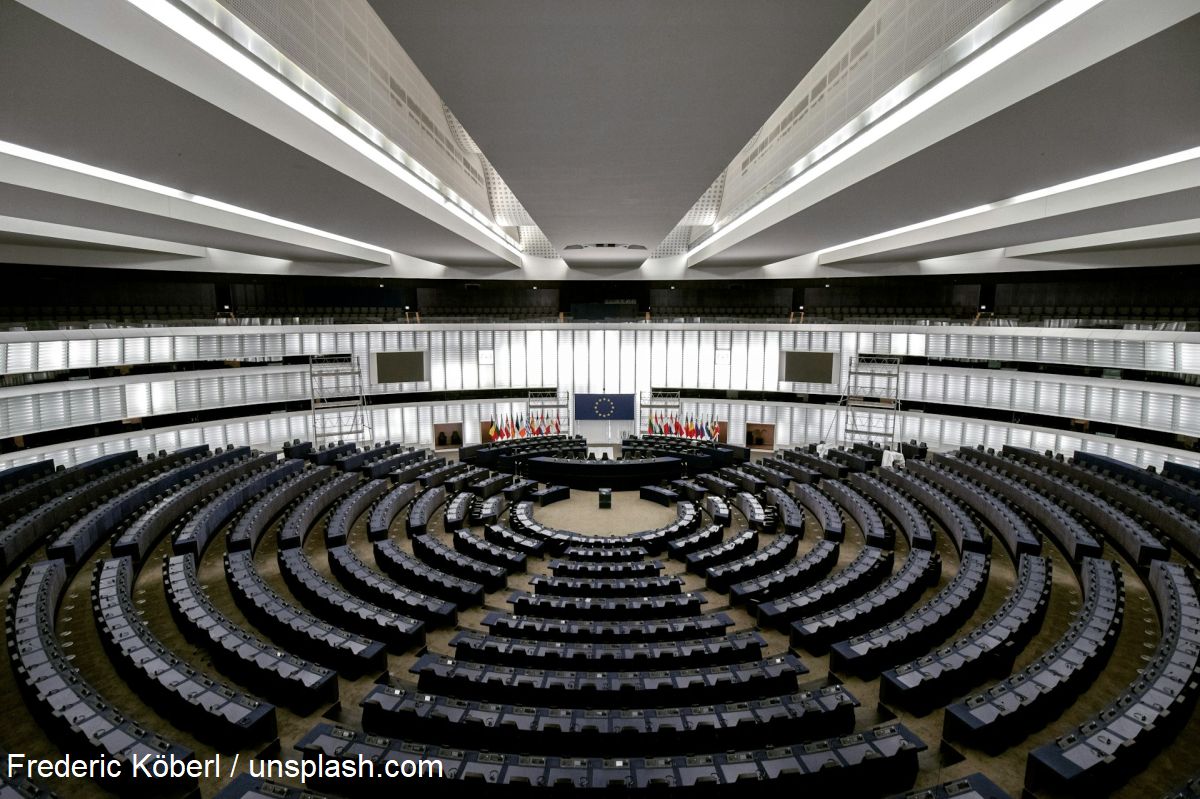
(629, 358)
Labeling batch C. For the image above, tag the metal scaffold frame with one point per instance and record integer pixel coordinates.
(337, 401)
(871, 400)
(669, 402)
(551, 401)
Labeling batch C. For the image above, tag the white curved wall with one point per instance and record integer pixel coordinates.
(796, 424)
(614, 358)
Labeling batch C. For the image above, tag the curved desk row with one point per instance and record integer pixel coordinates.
(590, 475)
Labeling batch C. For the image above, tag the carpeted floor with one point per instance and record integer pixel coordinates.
(629, 514)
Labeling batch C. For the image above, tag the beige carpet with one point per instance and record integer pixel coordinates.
(581, 513)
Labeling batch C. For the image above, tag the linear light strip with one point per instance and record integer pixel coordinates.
(90, 170)
(1170, 159)
(275, 84)
(1002, 51)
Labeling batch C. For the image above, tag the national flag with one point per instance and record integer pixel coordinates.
(650, 425)
(678, 427)
(690, 428)
(492, 431)
(537, 425)
(557, 426)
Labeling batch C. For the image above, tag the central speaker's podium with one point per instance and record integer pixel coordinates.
(605, 495)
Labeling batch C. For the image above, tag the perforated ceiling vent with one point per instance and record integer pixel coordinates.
(605, 246)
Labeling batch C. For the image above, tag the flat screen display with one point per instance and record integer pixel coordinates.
(807, 367)
(409, 366)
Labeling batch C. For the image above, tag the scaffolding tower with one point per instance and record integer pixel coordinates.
(337, 402)
(655, 401)
(871, 400)
(550, 402)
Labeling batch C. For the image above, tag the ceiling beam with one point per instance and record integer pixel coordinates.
(1098, 33)
(32, 169)
(1175, 172)
(220, 73)
(1109, 239)
(90, 237)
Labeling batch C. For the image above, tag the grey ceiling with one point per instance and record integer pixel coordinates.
(1139, 104)
(55, 208)
(609, 118)
(63, 94)
(1169, 207)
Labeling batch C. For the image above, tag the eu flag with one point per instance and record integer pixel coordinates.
(603, 406)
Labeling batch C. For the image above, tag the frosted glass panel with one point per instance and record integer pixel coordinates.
(1100, 403)
(956, 389)
(595, 356)
(1129, 407)
(1023, 393)
(52, 355)
(1052, 349)
(738, 363)
(1049, 398)
(1074, 401)
(137, 400)
(1160, 355)
(81, 354)
(533, 358)
(581, 363)
(550, 345)
(755, 365)
(1160, 410)
(520, 359)
(1103, 353)
(707, 358)
(1189, 357)
(612, 360)
(658, 358)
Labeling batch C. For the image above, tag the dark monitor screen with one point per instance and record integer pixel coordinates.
(401, 367)
(807, 367)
